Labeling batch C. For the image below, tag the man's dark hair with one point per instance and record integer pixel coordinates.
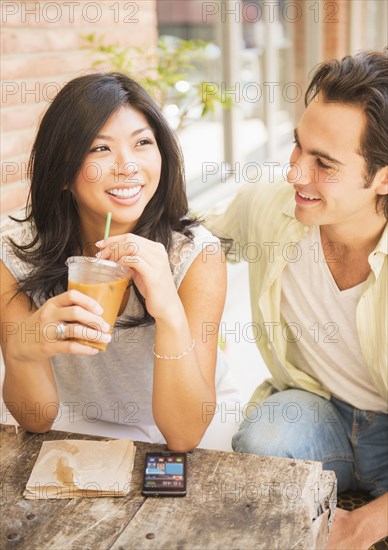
(362, 81)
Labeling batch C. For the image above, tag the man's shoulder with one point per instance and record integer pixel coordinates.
(258, 211)
(273, 194)
(269, 201)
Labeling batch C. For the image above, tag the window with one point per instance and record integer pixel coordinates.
(260, 57)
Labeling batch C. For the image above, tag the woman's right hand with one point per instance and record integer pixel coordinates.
(81, 316)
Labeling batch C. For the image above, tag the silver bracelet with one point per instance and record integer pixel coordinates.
(174, 357)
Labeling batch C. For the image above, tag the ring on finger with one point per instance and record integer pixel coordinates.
(60, 331)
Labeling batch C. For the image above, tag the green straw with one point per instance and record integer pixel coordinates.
(107, 225)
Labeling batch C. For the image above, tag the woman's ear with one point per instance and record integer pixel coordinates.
(382, 182)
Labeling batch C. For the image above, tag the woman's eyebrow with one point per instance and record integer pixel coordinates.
(135, 133)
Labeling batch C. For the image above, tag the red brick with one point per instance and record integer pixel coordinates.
(15, 144)
(38, 65)
(15, 41)
(27, 41)
(171, 11)
(40, 56)
(13, 197)
(21, 117)
(14, 170)
(47, 15)
(26, 92)
(335, 28)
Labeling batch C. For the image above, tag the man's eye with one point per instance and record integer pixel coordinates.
(296, 143)
(323, 165)
(99, 148)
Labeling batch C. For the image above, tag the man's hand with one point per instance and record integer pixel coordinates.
(344, 535)
(361, 528)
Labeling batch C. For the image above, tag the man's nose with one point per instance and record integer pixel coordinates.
(301, 172)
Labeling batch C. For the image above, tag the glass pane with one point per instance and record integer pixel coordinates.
(201, 138)
(266, 68)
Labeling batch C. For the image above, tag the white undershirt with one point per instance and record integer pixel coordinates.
(321, 327)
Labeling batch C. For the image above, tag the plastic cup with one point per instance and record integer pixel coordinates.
(103, 280)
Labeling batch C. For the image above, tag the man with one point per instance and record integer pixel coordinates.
(319, 291)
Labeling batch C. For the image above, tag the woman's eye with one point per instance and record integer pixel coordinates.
(323, 165)
(99, 148)
(296, 143)
(144, 141)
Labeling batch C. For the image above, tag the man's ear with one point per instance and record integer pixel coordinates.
(382, 181)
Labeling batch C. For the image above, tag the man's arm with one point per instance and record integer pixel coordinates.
(228, 219)
(361, 528)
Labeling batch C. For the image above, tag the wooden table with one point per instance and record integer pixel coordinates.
(234, 501)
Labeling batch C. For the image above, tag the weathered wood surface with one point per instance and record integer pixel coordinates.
(234, 501)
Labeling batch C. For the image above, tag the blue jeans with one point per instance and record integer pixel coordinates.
(299, 424)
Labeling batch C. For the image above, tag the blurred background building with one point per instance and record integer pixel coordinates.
(259, 55)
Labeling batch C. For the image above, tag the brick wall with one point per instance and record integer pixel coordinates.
(334, 17)
(41, 46)
(299, 68)
(336, 21)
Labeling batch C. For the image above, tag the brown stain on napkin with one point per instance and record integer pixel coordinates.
(64, 472)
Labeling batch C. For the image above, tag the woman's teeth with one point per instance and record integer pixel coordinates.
(125, 193)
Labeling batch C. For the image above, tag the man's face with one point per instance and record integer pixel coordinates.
(327, 169)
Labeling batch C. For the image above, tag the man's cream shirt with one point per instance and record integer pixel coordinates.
(261, 222)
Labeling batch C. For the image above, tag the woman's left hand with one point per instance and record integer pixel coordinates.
(150, 267)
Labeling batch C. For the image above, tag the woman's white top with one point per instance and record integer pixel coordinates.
(111, 393)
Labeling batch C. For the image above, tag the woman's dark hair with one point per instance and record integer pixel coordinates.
(360, 80)
(65, 135)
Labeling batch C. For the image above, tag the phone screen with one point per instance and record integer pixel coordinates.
(165, 474)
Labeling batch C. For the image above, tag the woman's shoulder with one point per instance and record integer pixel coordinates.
(200, 236)
(20, 233)
(184, 249)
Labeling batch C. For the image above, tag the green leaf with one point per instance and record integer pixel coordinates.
(159, 68)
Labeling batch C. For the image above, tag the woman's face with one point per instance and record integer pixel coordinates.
(120, 174)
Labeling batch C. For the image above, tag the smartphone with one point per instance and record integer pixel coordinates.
(164, 474)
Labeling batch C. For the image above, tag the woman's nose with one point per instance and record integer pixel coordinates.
(125, 165)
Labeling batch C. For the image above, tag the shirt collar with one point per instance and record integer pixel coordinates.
(289, 207)
(382, 245)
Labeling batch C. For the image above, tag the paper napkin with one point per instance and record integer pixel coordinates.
(74, 468)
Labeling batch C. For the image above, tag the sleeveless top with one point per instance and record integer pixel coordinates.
(115, 386)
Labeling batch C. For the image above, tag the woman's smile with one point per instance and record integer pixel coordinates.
(127, 159)
(125, 195)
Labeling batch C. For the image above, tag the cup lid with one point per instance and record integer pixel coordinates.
(95, 261)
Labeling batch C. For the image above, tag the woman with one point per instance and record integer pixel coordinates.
(103, 145)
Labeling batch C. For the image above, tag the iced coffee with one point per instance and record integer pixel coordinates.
(103, 280)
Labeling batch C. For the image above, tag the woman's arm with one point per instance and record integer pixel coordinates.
(182, 388)
(28, 340)
(27, 386)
